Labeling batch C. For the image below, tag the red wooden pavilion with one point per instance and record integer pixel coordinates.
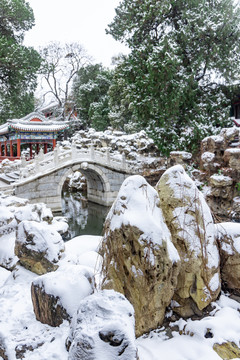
(35, 130)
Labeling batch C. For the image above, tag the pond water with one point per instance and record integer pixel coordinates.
(84, 217)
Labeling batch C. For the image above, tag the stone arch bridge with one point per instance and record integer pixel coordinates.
(42, 179)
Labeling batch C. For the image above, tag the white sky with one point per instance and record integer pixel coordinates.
(82, 21)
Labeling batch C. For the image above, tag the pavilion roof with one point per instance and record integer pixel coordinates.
(34, 122)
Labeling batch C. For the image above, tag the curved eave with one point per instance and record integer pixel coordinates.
(42, 128)
(4, 130)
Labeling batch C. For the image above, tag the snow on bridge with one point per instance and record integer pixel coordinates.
(42, 179)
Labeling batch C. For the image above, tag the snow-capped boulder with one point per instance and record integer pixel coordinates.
(38, 246)
(56, 295)
(180, 157)
(103, 328)
(228, 237)
(139, 258)
(34, 212)
(193, 233)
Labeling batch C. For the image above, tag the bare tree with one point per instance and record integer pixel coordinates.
(60, 64)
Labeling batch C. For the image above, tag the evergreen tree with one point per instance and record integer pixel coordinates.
(90, 93)
(18, 63)
(183, 55)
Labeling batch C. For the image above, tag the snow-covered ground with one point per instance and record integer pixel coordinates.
(20, 329)
(23, 337)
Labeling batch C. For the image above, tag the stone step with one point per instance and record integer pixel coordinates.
(13, 175)
(7, 179)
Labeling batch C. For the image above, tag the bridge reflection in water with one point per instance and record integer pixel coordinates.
(84, 217)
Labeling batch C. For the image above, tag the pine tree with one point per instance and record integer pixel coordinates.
(18, 63)
(90, 93)
(184, 54)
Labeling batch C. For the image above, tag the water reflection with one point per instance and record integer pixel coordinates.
(83, 217)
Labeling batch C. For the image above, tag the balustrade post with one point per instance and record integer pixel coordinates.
(108, 155)
(55, 156)
(74, 150)
(23, 161)
(123, 161)
(92, 152)
(40, 155)
(37, 166)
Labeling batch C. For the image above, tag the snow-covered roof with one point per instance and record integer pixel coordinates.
(34, 122)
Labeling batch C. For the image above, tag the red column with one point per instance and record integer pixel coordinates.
(5, 148)
(30, 151)
(0, 149)
(18, 147)
(45, 148)
(54, 143)
(11, 149)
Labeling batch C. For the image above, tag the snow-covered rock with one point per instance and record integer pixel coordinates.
(193, 233)
(139, 258)
(103, 328)
(34, 212)
(7, 221)
(56, 295)
(220, 194)
(8, 259)
(38, 246)
(118, 142)
(179, 157)
(228, 237)
(77, 181)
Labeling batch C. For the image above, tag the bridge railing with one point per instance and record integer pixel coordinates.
(45, 162)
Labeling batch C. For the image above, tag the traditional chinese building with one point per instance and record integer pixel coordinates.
(32, 131)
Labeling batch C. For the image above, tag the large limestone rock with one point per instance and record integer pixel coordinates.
(139, 259)
(103, 328)
(38, 246)
(190, 222)
(228, 237)
(56, 295)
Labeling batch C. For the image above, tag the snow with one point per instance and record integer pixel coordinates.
(69, 283)
(7, 256)
(219, 178)
(223, 323)
(208, 156)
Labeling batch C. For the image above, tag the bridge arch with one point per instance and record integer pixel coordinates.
(98, 185)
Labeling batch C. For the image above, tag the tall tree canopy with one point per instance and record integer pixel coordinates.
(184, 53)
(61, 64)
(18, 63)
(90, 93)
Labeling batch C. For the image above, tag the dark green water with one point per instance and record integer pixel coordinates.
(84, 217)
